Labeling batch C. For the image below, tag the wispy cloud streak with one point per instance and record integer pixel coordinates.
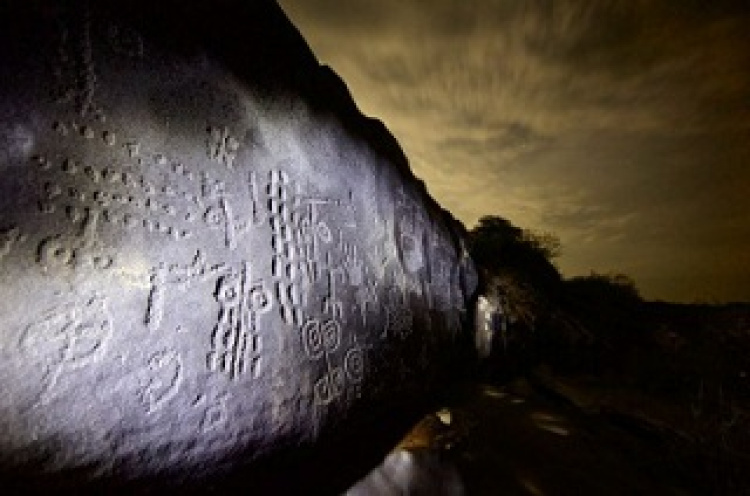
(621, 125)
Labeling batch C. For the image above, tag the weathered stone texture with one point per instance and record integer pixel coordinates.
(205, 250)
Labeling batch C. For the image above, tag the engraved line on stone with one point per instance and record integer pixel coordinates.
(242, 301)
(75, 335)
(9, 237)
(257, 217)
(354, 364)
(73, 251)
(180, 277)
(165, 371)
(222, 147)
(215, 415)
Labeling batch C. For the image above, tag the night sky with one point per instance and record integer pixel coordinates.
(621, 126)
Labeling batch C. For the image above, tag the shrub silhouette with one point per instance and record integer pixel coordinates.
(584, 324)
(516, 268)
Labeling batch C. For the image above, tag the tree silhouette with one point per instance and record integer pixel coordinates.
(516, 272)
(520, 258)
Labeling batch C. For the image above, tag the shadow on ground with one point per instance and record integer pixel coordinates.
(519, 439)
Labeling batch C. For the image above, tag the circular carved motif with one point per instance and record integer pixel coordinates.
(354, 364)
(319, 338)
(331, 335)
(312, 339)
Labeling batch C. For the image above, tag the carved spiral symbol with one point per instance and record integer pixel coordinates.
(338, 382)
(330, 386)
(312, 339)
(318, 338)
(354, 364)
(323, 390)
(331, 335)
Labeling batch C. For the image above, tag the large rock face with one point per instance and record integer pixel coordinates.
(206, 253)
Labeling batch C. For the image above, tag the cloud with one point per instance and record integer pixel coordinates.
(621, 125)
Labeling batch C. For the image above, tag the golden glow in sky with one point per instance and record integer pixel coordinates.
(622, 126)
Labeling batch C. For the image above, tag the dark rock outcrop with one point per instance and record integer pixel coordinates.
(209, 259)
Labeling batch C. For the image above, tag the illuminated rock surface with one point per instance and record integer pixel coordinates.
(207, 255)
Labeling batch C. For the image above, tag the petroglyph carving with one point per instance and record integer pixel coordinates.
(410, 228)
(285, 247)
(92, 173)
(286, 294)
(109, 138)
(180, 170)
(332, 304)
(54, 252)
(218, 211)
(75, 214)
(269, 316)
(66, 338)
(330, 387)
(411, 250)
(63, 251)
(42, 162)
(354, 364)
(442, 281)
(46, 207)
(60, 128)
(222, 216)
(216, 414)
(133, 149)
(312, 229)
(165, 372)
(121, 196)
(319, 338)
(258, 217)
(222, 146)
(352, 263)
(76, 194)
(367, 299)
(51, 190)
(301, 242)
(86, 132)
(9, 237)
(235, 341)
(160, 159)
(176, 276)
